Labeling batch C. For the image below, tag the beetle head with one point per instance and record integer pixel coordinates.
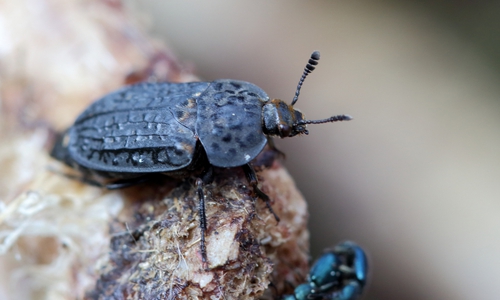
(283, 120)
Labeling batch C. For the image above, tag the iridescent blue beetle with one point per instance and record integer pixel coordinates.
(339, 274)
(180, 129)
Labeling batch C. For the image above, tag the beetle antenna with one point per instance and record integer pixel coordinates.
(328, 120)
(311, 65)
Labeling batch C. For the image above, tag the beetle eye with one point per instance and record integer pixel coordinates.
(285, 130)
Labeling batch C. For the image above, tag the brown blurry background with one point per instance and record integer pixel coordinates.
(415, 177)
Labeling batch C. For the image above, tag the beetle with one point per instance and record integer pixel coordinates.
(178, 128)
(339, 274)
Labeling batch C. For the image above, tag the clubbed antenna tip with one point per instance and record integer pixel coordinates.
(346, 118)
(315, 55)
(311, 65)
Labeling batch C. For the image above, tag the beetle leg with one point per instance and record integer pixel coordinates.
(252, 179)
(272, 145)
(125, 183)
(350, 291)
(208, 175)
(115, 185)
(203, 219)
(356, 260)
(80, 178)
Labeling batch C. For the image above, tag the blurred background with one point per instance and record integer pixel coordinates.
(415, 177)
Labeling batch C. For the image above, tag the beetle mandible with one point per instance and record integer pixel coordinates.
(172, 128)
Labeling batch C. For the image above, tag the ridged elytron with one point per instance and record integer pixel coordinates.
(169, 128)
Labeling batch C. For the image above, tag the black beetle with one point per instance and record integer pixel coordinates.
(169, 128)
(339, 274)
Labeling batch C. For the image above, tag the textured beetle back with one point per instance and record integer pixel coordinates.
(142, 128)
(229, 122)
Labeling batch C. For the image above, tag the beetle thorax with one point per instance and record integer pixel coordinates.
(281, 119)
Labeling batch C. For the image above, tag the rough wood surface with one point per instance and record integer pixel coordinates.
(62, 239)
